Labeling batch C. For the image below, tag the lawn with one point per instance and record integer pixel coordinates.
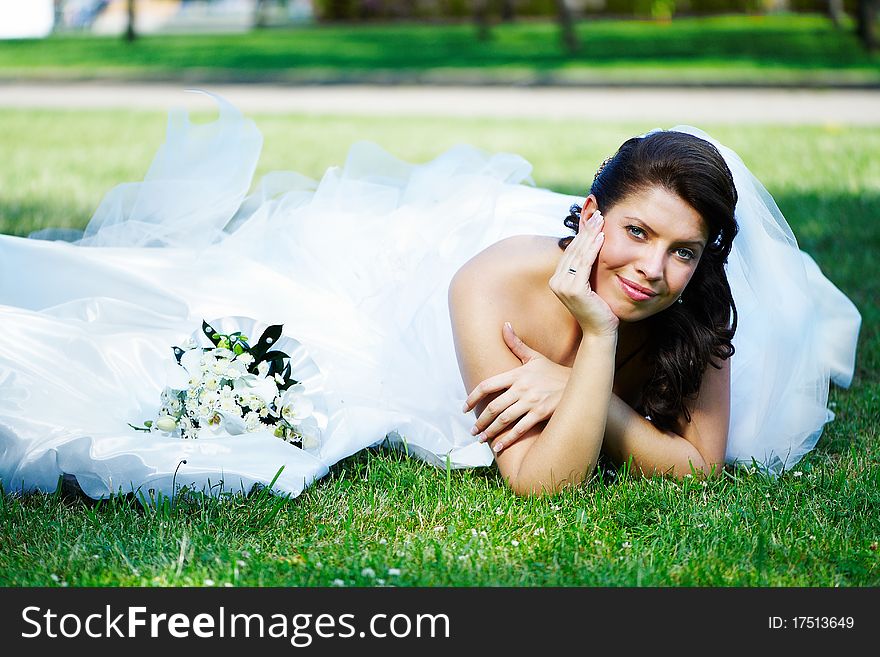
(382, 518)
(778, 49)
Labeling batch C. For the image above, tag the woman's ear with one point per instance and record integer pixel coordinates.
(590, 206)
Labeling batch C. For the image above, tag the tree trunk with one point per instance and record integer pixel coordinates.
(58, 15)
(566, 25)
(866, 25)
(130, 34)
(835, 12)
(508, 10)
(481, 18)
(259, 14)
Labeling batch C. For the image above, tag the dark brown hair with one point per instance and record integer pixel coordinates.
(686, 337)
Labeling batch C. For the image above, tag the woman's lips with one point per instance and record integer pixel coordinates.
(635, 292)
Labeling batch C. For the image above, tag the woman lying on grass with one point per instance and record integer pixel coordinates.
(628, 349)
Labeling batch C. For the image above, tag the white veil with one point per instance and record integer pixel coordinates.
(796, 331)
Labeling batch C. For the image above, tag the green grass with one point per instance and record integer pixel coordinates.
(380, 510)
(782, 49)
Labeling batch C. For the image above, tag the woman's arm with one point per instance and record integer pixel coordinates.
(696, 445)
(565, 450)
(699, 444)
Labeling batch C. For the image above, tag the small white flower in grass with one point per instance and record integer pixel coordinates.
(514, 543)
(473, 532)
(382, 541)
(439, 528)
(499, 511)
(241, 563)
(380, 582)
(597, 542)
(462, 557)
(338, 582)
(368, 572)
(319, 565)
(797, 473)
(483, 534)
(626, 545)
(394, 572)
(689, 476)
(704, 484)
(209, 582)
(54, 577)
(227, 584)
(538, 531)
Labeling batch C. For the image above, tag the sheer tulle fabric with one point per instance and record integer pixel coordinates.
(356, 266)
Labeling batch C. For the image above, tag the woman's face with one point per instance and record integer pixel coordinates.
(653, 242)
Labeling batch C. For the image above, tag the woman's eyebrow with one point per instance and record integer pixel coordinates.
(699, 241)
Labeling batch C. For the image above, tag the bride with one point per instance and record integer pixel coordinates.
(408, 292)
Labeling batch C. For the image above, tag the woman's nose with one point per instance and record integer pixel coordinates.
(651, 266)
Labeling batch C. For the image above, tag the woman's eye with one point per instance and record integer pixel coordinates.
(635, 231)
(685, 254)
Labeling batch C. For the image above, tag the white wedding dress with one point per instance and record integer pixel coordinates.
(356, 267)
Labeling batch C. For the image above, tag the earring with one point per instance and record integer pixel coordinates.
(680, 300)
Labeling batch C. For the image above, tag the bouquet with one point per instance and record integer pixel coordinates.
(231, 387)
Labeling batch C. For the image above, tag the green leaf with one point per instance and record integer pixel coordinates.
(211, 333)
(267, 339)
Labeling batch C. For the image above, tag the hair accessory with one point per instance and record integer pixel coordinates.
(602, 167)
(573, 219)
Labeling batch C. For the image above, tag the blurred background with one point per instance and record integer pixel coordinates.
(778, 42)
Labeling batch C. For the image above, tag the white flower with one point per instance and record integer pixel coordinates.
(295, 406)
(262, 369)
(626, 545)
(166, 423)
(255, 386)
(338, 582)
(252, 421)
(368, 572)
(394, 572)
(797, 473)
(245, 358)
(309, 432)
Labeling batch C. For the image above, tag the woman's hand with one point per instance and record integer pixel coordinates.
(531, 393)
(571, 281)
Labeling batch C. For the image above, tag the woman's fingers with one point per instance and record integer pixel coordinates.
(504, 419)
(498, 407)
(522, 427)
(519, 348)
(581, 253)
(487, 387)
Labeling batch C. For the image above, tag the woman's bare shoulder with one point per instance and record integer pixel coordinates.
(519, 260)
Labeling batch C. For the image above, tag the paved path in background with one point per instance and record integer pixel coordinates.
(664, 106)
